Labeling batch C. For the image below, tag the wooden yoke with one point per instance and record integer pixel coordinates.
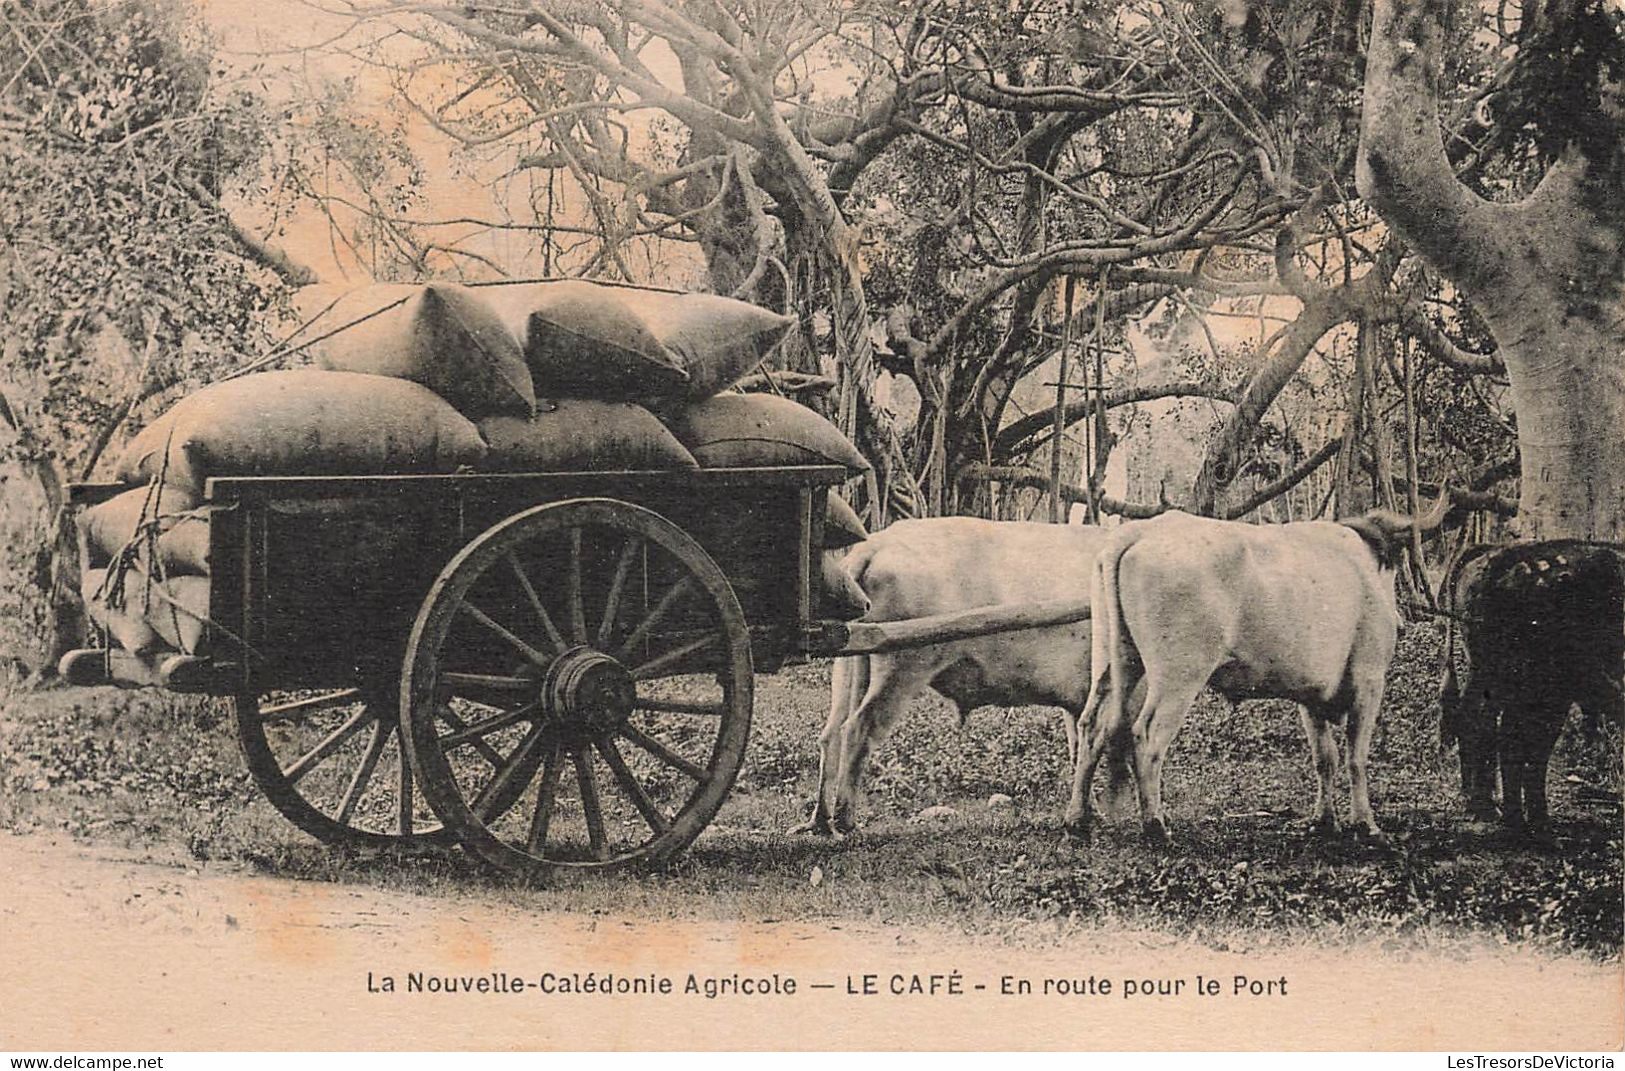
(878, 637)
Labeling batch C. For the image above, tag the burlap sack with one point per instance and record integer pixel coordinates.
(623, 342)
(443, 336)
(583, 340)
(717, 339)
(842, 528)
(182, 534)
(573, 434)
(170, 616)
(744, 430)
(513, 303)
(185, 547)
(839, 596)
(302, 422)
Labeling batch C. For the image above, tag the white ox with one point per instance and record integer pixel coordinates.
(942, 565)
(1301, 611)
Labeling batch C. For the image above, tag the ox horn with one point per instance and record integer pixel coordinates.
(1436, 513)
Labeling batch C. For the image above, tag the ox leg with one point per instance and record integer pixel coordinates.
(892, 683)
(1323, 754)
(1160, 720)
(1476, 744)
(1537, 758)
(1533, 742)
(848, 681)
(1362, 722)
(1069, 721)
(1509, 753)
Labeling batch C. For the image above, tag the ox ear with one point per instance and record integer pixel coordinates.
(1387, 532)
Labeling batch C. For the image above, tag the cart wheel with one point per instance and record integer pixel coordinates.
(331, 761)
(600, 653)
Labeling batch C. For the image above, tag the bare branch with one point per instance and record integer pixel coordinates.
(1024, 476)
(1014, 439)
(292, 272)
(1402, 169)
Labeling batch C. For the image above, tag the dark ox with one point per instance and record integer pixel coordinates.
(1301, 611)
(1542, 628)
(921, 568)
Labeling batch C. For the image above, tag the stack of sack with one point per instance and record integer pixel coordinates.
(539, 377)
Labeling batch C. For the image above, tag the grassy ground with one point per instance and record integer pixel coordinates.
(161, 775)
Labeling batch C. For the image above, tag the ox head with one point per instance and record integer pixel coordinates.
(1387, 532)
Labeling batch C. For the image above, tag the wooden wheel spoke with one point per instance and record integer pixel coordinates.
(665, 754)
(553, 635)
(572, 590)
(501, 785)
(619, 580)
(682, 706)
(485, 619)
(495, 682)
(403, 801)
(667, 603)
(552, 767)
(591, 809)
(629, 784)
(655, 666)
(329, 744)
(363, 772)
(617, 583)
(470, 733)
(487, 752)
(295, 707)
(354, 796)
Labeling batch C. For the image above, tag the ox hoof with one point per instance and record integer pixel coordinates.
(842, 823)
(1154, 834)
(1535, 835)
(1075, 835)
(1371, 836)
(817, 823)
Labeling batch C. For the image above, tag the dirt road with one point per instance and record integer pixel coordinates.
(103, 951)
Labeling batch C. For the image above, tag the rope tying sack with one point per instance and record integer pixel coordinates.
(141, 555)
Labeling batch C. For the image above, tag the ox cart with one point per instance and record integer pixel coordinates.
(552, 669)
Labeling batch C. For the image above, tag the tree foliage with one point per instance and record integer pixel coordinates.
(121, 275)
(928, 175)
(922, 182)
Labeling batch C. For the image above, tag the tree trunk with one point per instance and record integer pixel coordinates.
(1568, 389)
(58, 568)
(1223, 457)
(1547, 273)
(55, 561)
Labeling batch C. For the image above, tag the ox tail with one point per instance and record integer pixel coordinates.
(848, 683)
(1450, 686)
(850, 679)
(1120, 784)
(1109, 656)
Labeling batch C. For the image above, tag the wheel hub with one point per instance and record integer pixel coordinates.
(588, 692)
